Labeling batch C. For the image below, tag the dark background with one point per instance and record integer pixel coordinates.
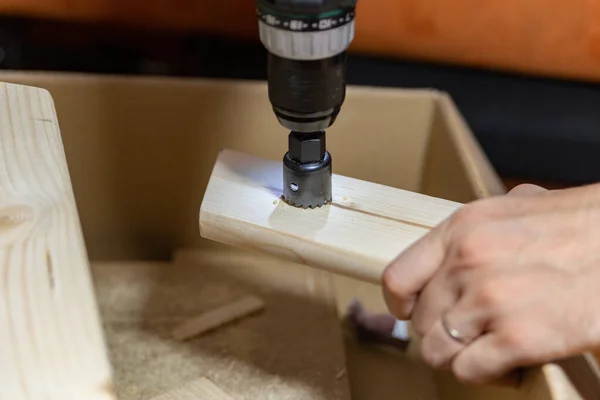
(531, 129)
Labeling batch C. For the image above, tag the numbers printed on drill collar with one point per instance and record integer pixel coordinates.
(295, 24)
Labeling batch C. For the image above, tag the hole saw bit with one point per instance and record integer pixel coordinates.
(306, 41)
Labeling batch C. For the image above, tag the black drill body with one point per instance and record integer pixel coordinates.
(307, 41)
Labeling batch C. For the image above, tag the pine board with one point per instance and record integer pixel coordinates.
(357, 235)
(51, 342)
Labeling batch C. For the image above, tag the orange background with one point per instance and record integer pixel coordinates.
(558, 38)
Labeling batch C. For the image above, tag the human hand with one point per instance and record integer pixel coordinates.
(518, 277)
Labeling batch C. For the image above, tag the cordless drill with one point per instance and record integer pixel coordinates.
(306, 41)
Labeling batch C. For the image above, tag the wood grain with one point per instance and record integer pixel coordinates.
(201, 389)
(357, 235)
(51, 342)
(219, 316)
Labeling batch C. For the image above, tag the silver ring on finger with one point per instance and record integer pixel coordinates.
(454, 333)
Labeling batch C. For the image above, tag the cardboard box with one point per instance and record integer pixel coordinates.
(140, 152)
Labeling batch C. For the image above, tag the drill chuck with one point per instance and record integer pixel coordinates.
(307, 96)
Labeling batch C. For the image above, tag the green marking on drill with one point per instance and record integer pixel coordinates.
(328, 14)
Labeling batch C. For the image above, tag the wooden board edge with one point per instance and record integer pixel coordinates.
(577, 377)
(54, 347)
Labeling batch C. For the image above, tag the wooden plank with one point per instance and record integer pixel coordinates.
(201, 389)
(51, 341)
(218, 317)
(357, 235)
